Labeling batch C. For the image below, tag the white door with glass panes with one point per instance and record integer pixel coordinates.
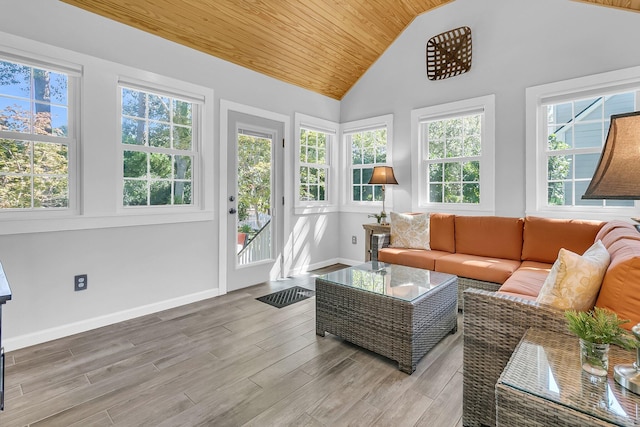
(255, 192)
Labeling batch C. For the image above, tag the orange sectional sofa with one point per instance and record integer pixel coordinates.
(513, 256)
(502, 264)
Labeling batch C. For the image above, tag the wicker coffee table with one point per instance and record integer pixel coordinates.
(396, 311)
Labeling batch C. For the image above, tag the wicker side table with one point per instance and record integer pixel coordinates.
(543, 384)
(396, 311)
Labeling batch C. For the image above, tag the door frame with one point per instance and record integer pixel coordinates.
(223, 231)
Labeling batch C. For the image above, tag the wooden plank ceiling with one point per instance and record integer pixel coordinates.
(321, 45)
(633, 5)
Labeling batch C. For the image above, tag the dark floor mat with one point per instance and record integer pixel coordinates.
(286, 297)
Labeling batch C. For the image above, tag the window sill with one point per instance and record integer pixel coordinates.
(455, 208)
(86, 222)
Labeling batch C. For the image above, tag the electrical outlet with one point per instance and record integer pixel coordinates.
(354, 240)
(80, 282)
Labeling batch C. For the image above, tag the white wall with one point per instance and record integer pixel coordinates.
(516, 44)
(133, 269)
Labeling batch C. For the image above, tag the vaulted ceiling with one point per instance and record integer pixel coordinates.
(321, 45)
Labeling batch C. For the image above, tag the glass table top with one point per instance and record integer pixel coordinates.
(547, 365)
(395, 281)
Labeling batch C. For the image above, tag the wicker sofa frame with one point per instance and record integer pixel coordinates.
(465, 283)
(494, 324)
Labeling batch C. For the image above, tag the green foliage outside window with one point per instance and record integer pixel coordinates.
(313, 165)
(452, 175)
(254, 177)
(559, 169)
(152, 177)
(368, 149)
(33, 173)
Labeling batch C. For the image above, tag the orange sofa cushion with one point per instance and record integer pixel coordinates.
(442, 228)
(543, 237)
(496, 270)
(527, 280)
(418, 258)
(620, 291)
(489, 236)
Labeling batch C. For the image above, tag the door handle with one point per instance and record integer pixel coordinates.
(232, 211)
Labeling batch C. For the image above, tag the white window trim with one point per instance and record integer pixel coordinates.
(346, 204)
(73, 142)
(95, 186)
(332, 188)
(487, 162)
(164, 87)
(536, 185)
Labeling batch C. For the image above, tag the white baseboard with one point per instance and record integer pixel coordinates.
(39, 337)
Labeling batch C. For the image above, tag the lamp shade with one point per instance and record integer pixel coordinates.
(382, 175)
(618, 173)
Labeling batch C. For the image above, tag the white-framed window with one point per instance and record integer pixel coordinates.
(160, 141)
(367, 143)
(453, 147)
(567, 125)
(54, 177)
(316, 164)
(39, 115)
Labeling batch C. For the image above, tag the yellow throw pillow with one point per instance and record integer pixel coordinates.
(410, 231)
(574, 281)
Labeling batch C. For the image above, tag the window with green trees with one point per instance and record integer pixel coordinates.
(452, 158)
(159, 149)
(254, 178)
(314, 165)
(368, 149)
(37, 136)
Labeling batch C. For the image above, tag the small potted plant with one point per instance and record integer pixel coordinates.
(243, 234)
(381, 217)
(597, 329)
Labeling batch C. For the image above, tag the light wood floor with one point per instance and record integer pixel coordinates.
(228, 361)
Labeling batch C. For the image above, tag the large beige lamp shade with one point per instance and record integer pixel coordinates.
(618, 173)
(382, 175)
(618, 177)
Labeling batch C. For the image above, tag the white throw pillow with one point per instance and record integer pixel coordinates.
(410, 231)
(574, 281)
